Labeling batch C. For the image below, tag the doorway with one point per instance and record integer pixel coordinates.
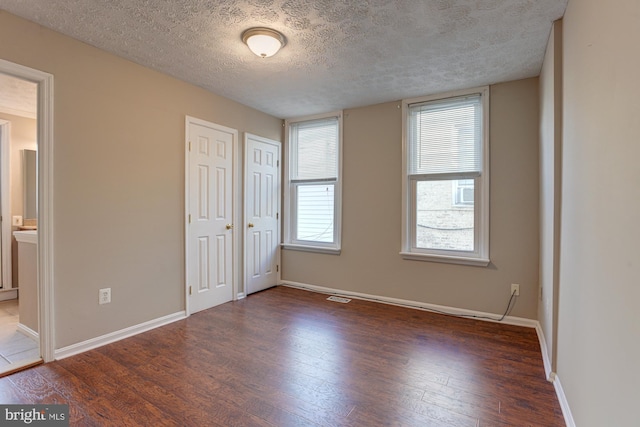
(41, 240)
(19, 338)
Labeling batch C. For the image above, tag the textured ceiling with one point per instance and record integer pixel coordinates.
(18, 97)
(339, 54)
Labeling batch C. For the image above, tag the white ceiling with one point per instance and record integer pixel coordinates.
(339, 54)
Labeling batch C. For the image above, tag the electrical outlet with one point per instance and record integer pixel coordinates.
(104, 296)
(515, 289)
(16, 220)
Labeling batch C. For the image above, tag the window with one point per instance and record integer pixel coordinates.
(463, 192)
(312, 202)
(446, 178)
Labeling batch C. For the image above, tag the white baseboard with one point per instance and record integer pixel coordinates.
(454, 311)
(545, 353)
(564, 404)
(7, 294)
(92, 343)
(554, 379)
(29, 332)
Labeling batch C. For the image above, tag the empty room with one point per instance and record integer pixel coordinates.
(319, 213)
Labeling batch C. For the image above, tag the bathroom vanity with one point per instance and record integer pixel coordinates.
(28, 281)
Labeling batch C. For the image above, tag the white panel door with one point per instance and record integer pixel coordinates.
(210, 214)
(262, 206)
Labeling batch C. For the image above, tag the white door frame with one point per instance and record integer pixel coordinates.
(5, 191)
(235, 185)
(245, 221)
(45, 201)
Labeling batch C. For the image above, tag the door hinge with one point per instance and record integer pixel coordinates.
(277, 215)
(277, 163)
(189, 218)
(189, 145)
(190, 290)
(277, 268)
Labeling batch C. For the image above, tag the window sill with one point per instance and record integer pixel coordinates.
(306, 248)
(478, 262)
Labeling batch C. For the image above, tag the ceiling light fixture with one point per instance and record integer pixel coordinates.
(264, 42)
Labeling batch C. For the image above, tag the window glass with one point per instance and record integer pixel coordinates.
(312, 204)
(446, 176)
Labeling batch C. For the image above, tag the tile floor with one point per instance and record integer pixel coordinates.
(15, 347)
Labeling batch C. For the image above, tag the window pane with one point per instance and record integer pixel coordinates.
(315, 212)
(441, 223)
(463, 192)
(315, 149)
(445, 136)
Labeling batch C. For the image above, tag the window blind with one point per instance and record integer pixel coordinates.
(445, 136)
(314, 150)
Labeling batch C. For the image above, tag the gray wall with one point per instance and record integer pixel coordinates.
(599, 320)
(370, 262)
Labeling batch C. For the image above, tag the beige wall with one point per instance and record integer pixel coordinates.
(23, 137)
(370, 263)
(118, 178)
(599, 320)
(550, 188)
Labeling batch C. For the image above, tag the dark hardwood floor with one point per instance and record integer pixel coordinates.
(286, 357)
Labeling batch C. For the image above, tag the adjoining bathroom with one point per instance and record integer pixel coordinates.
(19, 340)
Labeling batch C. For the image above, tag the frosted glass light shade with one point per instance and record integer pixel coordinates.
(264, 42)
(263, 45)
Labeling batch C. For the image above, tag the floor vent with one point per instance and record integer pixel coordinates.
(338, 299)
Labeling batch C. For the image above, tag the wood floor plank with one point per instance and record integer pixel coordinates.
(286, 357)
(9, 392)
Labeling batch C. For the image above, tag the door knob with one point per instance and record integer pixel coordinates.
(250, 225)
(229, 226)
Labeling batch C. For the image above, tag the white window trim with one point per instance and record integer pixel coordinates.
(481, 256)
(319, 247)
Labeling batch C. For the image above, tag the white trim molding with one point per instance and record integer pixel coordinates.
(8, 294)
(311, 248)
(564, 404)
(553, 378)
(478, 262)
(545, 353)
(5, 195)
(454, 311)
(45, 217)
(112, 337)
(28, 332)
